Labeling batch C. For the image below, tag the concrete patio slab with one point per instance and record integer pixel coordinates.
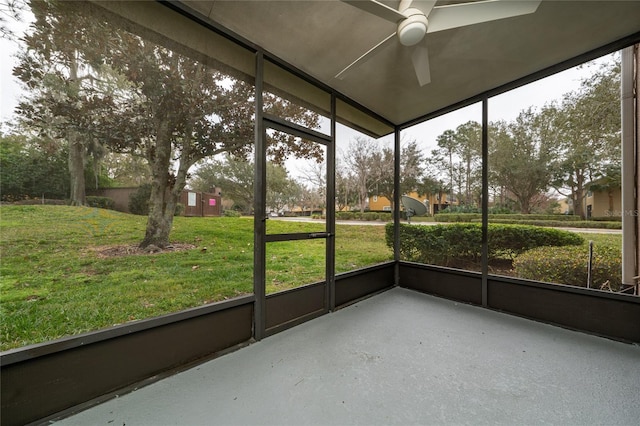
(398, 358)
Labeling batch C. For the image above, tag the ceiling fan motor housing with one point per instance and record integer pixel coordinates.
(413, 29)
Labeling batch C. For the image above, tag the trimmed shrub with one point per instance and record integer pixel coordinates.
(101, 202)
(457, 217)
(512, 218)
(462, 209)
(366, 216)
(345, 215)
(516, 239)
(231, 213)
(139, 200)
(568, 265)
(606, 218)
(451, 244)
(560, 224)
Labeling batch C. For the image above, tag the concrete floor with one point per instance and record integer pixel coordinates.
(398, 358)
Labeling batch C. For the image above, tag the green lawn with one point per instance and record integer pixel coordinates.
(57, 277)
(58, 274)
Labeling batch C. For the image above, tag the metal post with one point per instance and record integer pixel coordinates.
(636, 55)
(396, 205)
(331, 212)
(629, 177)
(260, 195)
(590, 265)
(485, 200)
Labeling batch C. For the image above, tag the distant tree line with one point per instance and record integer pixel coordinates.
(565, 147)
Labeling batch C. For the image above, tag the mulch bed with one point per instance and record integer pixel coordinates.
(134, 250)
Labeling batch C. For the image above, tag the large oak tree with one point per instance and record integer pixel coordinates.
(587, 124)
(97, 80)
(67, 86)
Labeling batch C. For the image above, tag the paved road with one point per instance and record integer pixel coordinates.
(379, 223)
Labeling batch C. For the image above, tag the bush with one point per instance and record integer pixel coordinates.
(606, 218)
(139, 200)
(101, 202)
(345, 215)
(451, 244)
(560, 224)
(457, 217)
(472, 217)
(231, 213)
(27, 172)
(462, 209)
(366, 216)
(568, 265)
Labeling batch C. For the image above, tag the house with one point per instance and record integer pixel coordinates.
(598, 202)
(195, 203)
(602, 201)
(434, 202)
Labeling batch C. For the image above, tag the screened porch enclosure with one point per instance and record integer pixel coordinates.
(391, 341)
(400, 357)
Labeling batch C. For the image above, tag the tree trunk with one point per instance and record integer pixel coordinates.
(578, 209)
(159, 222)
(77, 152)
(76, 170)
(468, 184)
(610, 194)
(525, 206)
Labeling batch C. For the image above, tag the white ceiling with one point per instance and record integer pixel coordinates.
(322, 37)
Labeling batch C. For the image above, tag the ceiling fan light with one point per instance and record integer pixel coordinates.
(412, 30)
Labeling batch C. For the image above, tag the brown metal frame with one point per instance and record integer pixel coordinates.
(602, 313)
(56, 378)
(42, 380)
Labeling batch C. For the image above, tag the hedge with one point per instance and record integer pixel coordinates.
(470, 217)
(101, 202)
(560, 224)
(606, 218)
(568, 265)
(139, 200)
(367, 216)
(450, 244)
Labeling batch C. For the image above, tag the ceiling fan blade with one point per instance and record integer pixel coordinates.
(368, 55)
(423, 6)
(379, 9)
(463, 14)
(420, 59)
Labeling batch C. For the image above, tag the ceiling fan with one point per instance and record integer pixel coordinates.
(416, 18)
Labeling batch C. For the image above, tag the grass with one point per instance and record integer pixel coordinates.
(609, 240)
(54, 280)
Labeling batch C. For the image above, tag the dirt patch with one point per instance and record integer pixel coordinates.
(133, 250)
(502, 267)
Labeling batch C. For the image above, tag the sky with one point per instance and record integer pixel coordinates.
(507, 106)
(9, 89)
